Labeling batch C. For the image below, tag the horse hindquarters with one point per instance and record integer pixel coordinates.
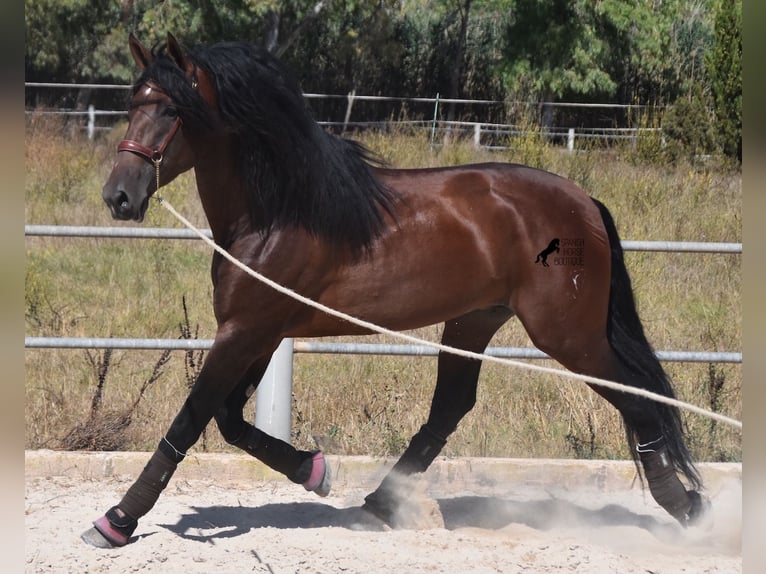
(585, 317)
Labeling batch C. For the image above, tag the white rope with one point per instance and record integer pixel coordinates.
(468, 354)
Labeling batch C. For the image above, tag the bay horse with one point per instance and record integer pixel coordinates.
(399, 248)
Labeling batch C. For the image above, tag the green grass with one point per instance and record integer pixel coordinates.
(371, 405)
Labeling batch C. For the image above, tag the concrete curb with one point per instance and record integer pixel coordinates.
(364, 471)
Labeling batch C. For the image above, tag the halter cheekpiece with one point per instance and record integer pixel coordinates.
(154, 155)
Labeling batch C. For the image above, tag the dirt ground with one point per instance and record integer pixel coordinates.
(469, 516)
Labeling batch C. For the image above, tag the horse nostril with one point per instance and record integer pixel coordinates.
(122, 200)
(118, 202)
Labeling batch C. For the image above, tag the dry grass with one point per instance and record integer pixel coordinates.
(370, 405)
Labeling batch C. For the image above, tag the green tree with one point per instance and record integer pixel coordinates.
(724, 63)
(61, 36)
(453, 47)
(634, 49)
(657, 48)
(191, 21)
(688, 128)
(626, 51)
(86, 40)
(553, 51)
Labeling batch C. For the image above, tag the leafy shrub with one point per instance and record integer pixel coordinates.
(688, 129)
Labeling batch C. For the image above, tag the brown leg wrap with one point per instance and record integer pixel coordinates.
(664, 484)
(143, 494)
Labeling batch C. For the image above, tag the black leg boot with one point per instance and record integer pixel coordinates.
(423, 449)
(296, 465)
(666, 488)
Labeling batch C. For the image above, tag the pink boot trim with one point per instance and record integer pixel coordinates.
(320, 479)
(114, 536)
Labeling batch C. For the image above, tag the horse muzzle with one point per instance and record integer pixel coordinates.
(122, 206)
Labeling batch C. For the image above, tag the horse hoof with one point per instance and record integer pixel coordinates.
(104, 535)
(320, 479)
(94, 538)
(381, 514)
(699, 511)
(380, 509)
(360, 520)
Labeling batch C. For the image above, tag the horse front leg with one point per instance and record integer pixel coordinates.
(224, 366)
(307, 468)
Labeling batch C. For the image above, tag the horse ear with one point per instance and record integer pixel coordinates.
(178, 55)
(141, 54)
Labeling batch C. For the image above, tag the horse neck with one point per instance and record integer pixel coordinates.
(221, 193)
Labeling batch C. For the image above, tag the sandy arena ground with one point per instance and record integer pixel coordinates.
(227, 513)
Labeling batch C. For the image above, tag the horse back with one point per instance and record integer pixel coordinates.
(513, 211)
(466, 238)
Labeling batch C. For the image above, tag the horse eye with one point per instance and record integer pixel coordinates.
(170, 112)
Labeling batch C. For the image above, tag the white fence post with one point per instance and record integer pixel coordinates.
(346, 118)
(274, 396)
(433, 124)
(477, 135)
(91, 121)
(570, 139)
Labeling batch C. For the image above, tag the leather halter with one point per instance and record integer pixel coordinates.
(153, 155)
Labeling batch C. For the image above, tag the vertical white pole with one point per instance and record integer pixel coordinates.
(274, 396)
(570, 139)
(433, 125)
(350, 97)
(477, 136)
(91, 121)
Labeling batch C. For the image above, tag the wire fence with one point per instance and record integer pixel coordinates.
(484, 134)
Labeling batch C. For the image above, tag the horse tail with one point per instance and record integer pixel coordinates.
(628, 341)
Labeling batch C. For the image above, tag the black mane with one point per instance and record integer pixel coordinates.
(294, 173)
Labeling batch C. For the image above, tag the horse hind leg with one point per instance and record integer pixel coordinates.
(656, 440)
(653, 430)
(454, 396)
(596, 331)
(307, 468)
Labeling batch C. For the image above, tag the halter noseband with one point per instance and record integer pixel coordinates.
(153, 155)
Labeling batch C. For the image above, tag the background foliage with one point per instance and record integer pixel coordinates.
(618, 51)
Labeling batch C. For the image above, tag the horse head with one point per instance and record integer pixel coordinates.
(155, 149)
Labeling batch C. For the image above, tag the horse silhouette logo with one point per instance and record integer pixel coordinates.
(542, 257)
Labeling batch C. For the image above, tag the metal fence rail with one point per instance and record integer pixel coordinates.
(318, 347)
(183, 233)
